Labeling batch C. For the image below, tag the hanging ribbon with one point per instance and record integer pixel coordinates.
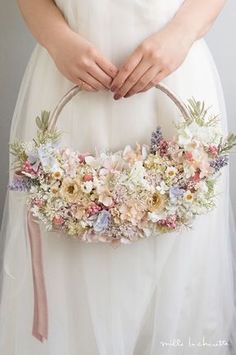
(40, 321)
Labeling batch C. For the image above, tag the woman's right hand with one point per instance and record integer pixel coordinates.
(77, 59)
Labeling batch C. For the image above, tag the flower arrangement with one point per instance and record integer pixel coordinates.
(123, 196)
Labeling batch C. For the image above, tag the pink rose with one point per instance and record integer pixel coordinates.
(58, 220)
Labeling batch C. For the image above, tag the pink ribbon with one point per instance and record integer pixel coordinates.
(40, 321)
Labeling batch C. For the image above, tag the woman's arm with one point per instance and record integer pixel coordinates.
(197, 16)
(163, 52)
(44, 20)
(74, 56)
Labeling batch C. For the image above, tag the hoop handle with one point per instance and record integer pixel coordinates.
(76, 89)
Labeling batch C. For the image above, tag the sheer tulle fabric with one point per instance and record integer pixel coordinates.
(137, 299)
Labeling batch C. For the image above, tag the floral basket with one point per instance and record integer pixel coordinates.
(120, 197)
(116, 197)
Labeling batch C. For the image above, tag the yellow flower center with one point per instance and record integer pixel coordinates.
(71, 189)
(57, 174)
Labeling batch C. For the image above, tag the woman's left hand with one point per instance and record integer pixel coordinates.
(154, 59)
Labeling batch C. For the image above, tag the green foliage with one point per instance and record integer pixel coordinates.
(43, 133)
(43, 121)
(199, 113)
(18, 151)
(228, 144)
(211, 187)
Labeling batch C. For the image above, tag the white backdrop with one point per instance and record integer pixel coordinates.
(16, 44)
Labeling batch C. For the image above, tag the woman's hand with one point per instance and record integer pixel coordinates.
(154, 59)
(77, 59)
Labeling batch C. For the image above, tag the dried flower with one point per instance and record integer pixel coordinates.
(102, 221)
(69, 189)
(219, 162)
(130, 194)
(157, 202)
(155, 140)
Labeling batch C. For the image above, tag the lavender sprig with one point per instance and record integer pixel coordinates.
(155, 140)
(219, 162)
(20, 185)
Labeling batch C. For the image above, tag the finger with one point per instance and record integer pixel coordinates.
(85, 86)
(89, 79)
(108, 68)
(148, 87)
(100, 75)
(147, 78)
(161, 75)
(132, 80)
(126, 70)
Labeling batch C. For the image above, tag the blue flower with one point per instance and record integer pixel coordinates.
(175, 192)
(102, 222)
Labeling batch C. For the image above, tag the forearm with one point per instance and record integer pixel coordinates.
(44, 20)
(195, 17)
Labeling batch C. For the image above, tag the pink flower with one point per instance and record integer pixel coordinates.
(196, 177)
(58, 220)
(39, 203)
(82, 158)
(163, 147)
(213, 149)
(28, 169)
(94, 209)
(188, 156)
(169, 222)
(88, 177)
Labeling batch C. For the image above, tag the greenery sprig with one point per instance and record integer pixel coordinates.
(228, 144)
(199, 113)
(43, 133)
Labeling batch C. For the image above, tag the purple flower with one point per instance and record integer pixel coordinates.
(20, 184)
(102, 222)
(219, 162)
(155, 140)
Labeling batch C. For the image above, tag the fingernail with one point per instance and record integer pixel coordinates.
(117, 97)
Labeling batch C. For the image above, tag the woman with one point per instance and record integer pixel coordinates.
(165, 295)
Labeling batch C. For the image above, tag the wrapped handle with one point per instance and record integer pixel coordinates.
(76, 89)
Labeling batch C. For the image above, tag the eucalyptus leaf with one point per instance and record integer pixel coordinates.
(39, 122)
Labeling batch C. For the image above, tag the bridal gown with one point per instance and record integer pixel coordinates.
(170, 294)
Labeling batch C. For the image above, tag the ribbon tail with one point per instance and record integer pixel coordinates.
(40, 321)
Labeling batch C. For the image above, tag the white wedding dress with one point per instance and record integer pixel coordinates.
(166, 295)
